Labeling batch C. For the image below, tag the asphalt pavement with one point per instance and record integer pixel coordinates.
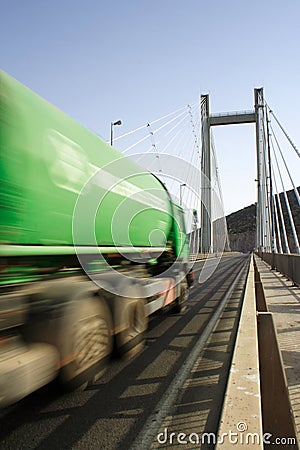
(113, 413)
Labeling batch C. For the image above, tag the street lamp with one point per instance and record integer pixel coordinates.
(112, 124)
(180, 191)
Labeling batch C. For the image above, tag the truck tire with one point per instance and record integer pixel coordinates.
(131, 339)
(180, 304)
(70, 315)
(87, 341)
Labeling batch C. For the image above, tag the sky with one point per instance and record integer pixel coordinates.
(136, 60)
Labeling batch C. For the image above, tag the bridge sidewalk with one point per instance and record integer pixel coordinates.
(283, 301)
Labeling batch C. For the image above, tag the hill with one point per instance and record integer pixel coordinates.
(241, 225)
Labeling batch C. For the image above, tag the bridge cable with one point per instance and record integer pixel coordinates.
(155, 131)
(284, 132)
(277, 235)
(144, 125)
(282, 222)
(287, 169)
(221, 229)
(288, 207)
(265, 206)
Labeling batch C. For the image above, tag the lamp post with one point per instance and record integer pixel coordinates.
(112, 124)
(180, 191)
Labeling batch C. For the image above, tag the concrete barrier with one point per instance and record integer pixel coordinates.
(278, 338)
(257, 409)
(276, 408)
(241, 420)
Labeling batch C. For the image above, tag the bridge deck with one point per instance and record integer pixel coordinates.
(273, 342)
(283, 301)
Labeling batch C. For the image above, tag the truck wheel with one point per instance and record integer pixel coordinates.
(131, 339)
(180, 304)
(87, 342)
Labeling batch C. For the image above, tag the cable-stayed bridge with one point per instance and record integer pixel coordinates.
(179, 147)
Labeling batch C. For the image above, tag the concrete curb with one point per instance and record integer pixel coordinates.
(241, 420)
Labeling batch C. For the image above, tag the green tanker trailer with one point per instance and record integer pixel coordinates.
(91, 244)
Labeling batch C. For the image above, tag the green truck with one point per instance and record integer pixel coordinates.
(91, 244)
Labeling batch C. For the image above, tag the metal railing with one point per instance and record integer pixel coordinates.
(232, 113)
(288, 265)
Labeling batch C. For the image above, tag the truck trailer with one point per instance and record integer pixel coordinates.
(91, 245)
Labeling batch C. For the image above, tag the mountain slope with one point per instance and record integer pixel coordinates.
(241, 225)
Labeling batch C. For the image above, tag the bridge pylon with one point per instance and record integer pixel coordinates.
(264, 228)
(206, 193)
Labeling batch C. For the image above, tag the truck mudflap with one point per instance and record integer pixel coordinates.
(24, 369)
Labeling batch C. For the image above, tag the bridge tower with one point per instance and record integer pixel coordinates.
(206, 192)
(264, 186)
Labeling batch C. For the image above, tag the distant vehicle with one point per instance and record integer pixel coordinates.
(91, 244)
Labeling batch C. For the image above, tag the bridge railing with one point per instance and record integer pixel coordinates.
(288, 265)
(232, 113)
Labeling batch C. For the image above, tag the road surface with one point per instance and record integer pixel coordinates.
(114, 414)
